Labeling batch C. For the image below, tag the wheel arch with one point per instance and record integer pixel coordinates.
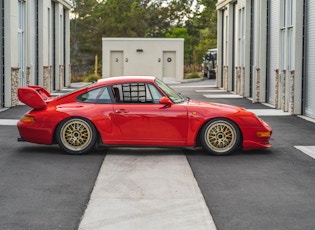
(198, 136)
(73, 117)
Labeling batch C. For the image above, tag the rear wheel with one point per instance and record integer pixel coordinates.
(76, 136)
(220, 136)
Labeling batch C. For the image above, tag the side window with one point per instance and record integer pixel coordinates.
(104, 97)
(99, 95)
(136, 93)
(155, 93)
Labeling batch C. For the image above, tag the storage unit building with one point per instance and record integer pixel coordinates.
(34, 46)
(162, 58)
(266, 52)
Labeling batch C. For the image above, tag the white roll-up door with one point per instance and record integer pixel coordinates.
(309, 102)
(1, 55)
(273, 49)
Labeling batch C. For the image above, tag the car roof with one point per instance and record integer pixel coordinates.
(125, 79)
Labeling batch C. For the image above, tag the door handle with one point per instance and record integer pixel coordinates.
(121, 111)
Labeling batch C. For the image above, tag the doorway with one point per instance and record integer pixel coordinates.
(169, 64)
(116, 63)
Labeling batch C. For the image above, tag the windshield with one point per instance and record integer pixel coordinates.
(172, 94)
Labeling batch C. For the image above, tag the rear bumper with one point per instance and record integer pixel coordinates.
(36, 132)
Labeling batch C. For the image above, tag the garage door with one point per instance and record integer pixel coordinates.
(273, 49)
(1, 56)
(309, 86)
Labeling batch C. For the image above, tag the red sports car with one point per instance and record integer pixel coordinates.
(136, 111)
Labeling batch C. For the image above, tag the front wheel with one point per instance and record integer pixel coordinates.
(76, 136)
(220, 136)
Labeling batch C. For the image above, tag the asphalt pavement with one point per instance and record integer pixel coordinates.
(262, 189)
(127, 188)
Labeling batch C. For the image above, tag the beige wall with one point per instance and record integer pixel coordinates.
(144, 56)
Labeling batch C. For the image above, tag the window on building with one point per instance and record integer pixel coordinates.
(290, 33)
(21, 42)
(287, 21)
(290, 13)
(283, 49)
(283, 13)
(241, 37)
(226, 40)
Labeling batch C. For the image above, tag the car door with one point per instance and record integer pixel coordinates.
(141, 121)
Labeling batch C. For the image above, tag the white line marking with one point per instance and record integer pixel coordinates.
(222, 96)
(8, 121)
(308, 150)
(210, 91)
(3, 109)
(194, 86)
(307, 118)
(146, 191)
(269, 112)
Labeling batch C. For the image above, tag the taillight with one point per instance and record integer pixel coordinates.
(28, 119)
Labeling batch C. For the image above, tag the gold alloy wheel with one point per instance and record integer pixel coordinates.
(220, 136)
(76, 134)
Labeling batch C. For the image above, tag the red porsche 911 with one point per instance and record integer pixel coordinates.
(136, 111)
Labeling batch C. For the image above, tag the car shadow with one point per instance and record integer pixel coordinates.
(202, 152)
(30, 149)
(53, 150)
(145, 151)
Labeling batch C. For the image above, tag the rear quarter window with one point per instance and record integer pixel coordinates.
(96, 96)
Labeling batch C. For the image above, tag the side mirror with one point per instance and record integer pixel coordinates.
(165, 101)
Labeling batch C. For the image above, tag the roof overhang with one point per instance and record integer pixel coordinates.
(65, 3)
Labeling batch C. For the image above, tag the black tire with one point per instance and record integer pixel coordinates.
(220, 136)
(76, 136)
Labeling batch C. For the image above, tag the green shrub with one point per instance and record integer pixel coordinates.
(193, 75)
(91, 78)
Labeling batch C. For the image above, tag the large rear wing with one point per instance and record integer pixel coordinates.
(34, 96)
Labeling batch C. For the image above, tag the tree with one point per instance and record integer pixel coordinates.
(94, 19)
(180, 32)
(205, 22)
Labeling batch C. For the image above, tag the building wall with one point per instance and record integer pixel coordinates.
(36, 46)
(143, 56)
(1, 53)
(260, 51)
(309, 49)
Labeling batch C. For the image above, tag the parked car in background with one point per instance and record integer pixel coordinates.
(209, 64)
